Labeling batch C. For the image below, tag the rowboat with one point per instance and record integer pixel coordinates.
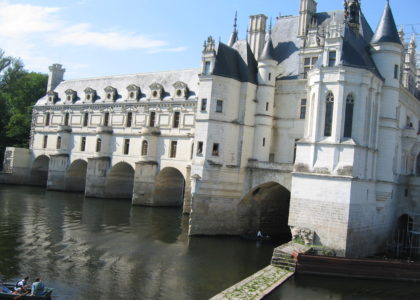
(10, 286)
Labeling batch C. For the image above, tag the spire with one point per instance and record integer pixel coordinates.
(268, 50)
(387, 30)
(234, 36)
(352, 13)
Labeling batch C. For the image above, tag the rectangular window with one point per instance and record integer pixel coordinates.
(47, 119)
(106, 119)
(219, 106)
(302, 109)
(176, 119)
(83, 144)
(98, 145)
(173, 149)
(308, 63)
(215, 151)
(152, 119)
(395, 71)
(126, 146)
(206, 68)
(45, 141)
(294, 150)
(266, 106)
(263, 143)
(85, 119)
(129, 119)
(58, 146)
(200, 148)
(203, 104)
(66, 119)
(332, 55)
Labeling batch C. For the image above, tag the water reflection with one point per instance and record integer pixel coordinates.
(107, 249)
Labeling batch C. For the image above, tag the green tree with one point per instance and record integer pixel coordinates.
(19, 91)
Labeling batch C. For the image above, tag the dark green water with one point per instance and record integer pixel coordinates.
(106, 249)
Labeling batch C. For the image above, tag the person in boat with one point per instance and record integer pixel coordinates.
(4, 289)
(22, 285)
(38, 288)
(259, 234)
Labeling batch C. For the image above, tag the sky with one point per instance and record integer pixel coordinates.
(93, 38)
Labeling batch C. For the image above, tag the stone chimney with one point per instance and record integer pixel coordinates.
(256, 33)
(55, 76)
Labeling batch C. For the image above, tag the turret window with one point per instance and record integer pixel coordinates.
(266, 106)
(302, 109)
(206, 68)
(396, 67)
(329, 108)
(203, 104)
(348, 122)
(308, 64)
(219, 106)
(332, 56)
(215, 150)
(200, 148)
(144, 148)
(263, 142)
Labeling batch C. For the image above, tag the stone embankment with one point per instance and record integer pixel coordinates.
(260, 284)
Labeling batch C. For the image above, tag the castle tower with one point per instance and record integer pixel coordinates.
(234, 36)
(352, 13)
(306, 14)
(55, 76)
(265, 97)
(256, 33)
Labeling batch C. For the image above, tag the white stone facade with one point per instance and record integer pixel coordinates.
(337, 131)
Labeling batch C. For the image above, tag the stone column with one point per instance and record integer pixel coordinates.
(57, 172)
(187, 192)
(96, 176)
(144, 182)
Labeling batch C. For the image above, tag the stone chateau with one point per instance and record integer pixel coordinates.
(312, 123)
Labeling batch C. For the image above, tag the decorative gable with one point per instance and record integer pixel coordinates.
(181, 90)
(111, 93)
(134, 92)
(157, 91)
(71, 95)
(52, 97)
(90, 95)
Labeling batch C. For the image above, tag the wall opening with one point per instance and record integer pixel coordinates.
(120, 181)
(76, 176)
(169, 188)
(39, 171)
(266, 208)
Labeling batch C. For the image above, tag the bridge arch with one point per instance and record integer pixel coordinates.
(266, 207)
(169, 187)
(39, 170)
(120, 181)
(76, 176)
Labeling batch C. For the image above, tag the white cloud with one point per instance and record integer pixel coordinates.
(82, 35)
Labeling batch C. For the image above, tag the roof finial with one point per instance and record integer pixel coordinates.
(235, 25)
(269, 28)
(234, 35)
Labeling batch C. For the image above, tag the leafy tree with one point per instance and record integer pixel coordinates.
(19, 90)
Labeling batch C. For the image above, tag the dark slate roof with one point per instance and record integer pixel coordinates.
(387, 30)
(236, 63)
(268, 50)
(355, 52)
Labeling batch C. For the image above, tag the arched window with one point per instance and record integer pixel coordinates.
(98, 145)
(144, 147)
(348, 118)
(329, 108)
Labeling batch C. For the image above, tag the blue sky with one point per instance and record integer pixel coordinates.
(96, 38)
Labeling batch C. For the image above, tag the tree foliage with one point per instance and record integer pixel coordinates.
(19, 90)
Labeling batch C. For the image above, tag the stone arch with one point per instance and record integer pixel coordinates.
(76, 176)
(169, 187)
(120, 181)
(39, 170)
(266, 208)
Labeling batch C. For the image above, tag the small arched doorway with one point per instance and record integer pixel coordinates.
(120, 181)
(76, 176)
(266, 208)
(39, 170)
(169, 188)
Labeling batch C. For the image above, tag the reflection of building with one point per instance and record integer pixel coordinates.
(319, 104)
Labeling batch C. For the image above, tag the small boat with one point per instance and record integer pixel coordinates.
(254, 237)
(10, 286)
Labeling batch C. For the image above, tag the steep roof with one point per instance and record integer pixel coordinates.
(268, 50)
(237, 62)
(121, 82)
(387, 30)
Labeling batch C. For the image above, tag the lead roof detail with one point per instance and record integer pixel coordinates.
(387, 30)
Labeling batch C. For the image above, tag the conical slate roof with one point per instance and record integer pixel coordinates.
(268, 50)
(387, 30)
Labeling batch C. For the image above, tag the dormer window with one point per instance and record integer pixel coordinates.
(133, 92)
(157, 91)
(90, 95)
(181, 90)
(52, 97)
(206, 70)
(332, 57)
(111, 93)
(71, 96)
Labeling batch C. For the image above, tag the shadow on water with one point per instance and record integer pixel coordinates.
(107, 249)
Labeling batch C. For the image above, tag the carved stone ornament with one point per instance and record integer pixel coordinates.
(157, 90)
(52, 96)
(304, 235)
(133, 92)
(90, 94)
(181, 89)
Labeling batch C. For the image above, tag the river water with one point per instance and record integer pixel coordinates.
(97, 249)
